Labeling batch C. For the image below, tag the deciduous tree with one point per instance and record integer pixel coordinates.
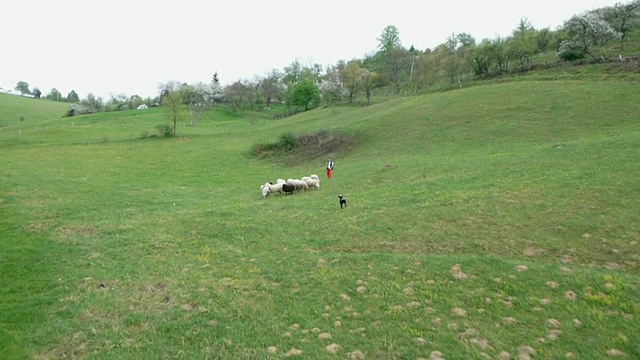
(73, 97)
(522, 45)
(304, 94)
(370, 80)
(395, 60)
(480, 56)
(118, 102)
(330, 85)
(352, 78)
(173, 108)
(23, 87)
(92, 104)
(196, 97)
(623, 18)
(271, 86)
(297, 72)
(586, 32)
(134, 101)
(55, 95)
(239, 95)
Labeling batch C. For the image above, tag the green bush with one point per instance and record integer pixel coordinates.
(287, 142)
(570, 55)
(164, 130)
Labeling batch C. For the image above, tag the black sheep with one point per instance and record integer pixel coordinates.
(288, 189)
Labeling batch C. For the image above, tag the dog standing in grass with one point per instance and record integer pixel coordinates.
(343, 201)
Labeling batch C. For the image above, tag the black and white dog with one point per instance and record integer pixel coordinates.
(343, 201)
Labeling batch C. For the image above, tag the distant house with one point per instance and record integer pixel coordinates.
(142, 107)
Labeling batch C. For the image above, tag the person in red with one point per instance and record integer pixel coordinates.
(329, 168)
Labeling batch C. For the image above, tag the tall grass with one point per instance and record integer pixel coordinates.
(492, 221)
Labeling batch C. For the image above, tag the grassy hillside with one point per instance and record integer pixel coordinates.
(497, 221)
(17, 111)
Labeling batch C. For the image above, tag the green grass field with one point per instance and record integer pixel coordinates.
(498, 221)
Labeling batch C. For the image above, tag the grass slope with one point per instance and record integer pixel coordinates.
(495, 221)
(17, 111)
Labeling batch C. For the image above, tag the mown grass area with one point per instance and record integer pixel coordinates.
(496, 221)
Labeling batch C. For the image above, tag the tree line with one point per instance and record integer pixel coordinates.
(588, 37)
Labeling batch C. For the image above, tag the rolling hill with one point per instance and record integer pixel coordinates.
(496, 221)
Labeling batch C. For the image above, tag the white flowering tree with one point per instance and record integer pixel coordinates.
(330, 85)
(623, 18)
(197, 96)
(587, 32)
(271, 87)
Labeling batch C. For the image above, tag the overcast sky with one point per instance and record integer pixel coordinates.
(113, 47)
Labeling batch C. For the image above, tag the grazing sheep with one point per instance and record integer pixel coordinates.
(312, 183)
(265, 185)
(276, 188)
(298, 184)
(290, 185)
(265, 189)
(288, 189)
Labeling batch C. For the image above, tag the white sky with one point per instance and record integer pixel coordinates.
(117, 46)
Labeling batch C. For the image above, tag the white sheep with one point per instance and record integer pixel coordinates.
(315, 177)
(276, 188)
(298, 184)
(313, 183)
(265, 189)
(281, 181)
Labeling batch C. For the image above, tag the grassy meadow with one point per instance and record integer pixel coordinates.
(497, 221)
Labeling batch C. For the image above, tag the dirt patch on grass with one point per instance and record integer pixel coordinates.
(38, 227)
(74, 231)
(294, 149)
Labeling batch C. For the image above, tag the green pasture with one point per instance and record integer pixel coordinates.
(498, 221)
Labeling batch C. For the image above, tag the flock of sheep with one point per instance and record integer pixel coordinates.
(288, 187)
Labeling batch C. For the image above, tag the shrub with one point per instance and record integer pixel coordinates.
(164, 130)
(570, 55)
(79, 109)
(569, 51)
(287, 142)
